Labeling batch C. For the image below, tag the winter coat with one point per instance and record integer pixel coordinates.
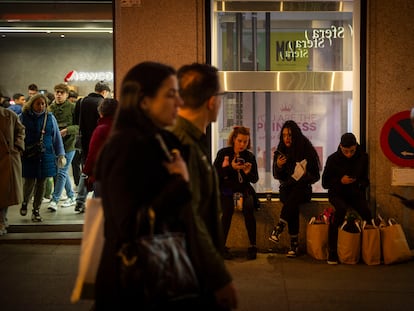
(64, 114)
(87, 116)
(129, 181)
(229, 178)
(11, 144)
(45, 165)
(206, 242)
(337, 165)
(98, 138)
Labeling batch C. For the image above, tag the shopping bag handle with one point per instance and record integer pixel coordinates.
(364, 223)
(356, 224)
(392, 221)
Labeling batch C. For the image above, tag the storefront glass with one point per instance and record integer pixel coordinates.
(286, 60)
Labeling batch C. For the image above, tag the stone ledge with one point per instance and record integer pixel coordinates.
(73, 238)
(266, 218)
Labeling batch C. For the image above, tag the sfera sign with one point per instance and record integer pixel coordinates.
(79, 76)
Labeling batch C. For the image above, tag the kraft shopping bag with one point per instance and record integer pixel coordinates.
(349, 243)
(394, 243)
(317, 239)
(371, 244)
(91, 249)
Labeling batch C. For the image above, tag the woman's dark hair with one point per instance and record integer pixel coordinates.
(144, 79)
(300, 143)
(108, 107)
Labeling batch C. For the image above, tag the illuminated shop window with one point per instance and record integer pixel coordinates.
(286, 60)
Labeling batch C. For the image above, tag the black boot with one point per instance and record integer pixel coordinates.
(277, 231)
(23, 209)
(294, 247)
(252, 252)
(36, 215)
(332, 257)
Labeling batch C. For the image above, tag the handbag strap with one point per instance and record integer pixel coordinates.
(42, 132)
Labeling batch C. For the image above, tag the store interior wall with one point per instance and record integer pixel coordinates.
(47, 61)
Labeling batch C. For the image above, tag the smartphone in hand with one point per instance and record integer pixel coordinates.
(281, 153)
(240, 161)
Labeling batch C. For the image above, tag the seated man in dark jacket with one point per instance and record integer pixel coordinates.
(346, 177)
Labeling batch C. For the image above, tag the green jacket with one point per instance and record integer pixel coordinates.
(206, 238)
(64, 114)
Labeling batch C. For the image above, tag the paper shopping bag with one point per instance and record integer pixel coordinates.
(91, 249)
(371, 244)
(394, 243)
(317, 239)
(349, 243)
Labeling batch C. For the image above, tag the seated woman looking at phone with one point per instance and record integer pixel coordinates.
(237, 169)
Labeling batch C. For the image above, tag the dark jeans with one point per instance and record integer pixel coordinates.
(341, 206)
(248, 213)
(292, 198)
(76, 167)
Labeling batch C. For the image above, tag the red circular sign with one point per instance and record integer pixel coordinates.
(397, 139)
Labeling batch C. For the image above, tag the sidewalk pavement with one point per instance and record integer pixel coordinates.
(40, 277)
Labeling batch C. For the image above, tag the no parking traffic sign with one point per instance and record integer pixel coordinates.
(397, 139)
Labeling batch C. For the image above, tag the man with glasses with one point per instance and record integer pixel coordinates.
(199, 88)
(64, 112)
(346, 177)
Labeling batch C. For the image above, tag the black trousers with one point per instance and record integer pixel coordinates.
(248, 213)
(292, 198)
(76, 167)
(341, 206)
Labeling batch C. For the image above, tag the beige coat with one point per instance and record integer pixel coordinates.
(12, 135)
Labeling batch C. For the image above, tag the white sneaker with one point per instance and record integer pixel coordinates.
(52, 206)
(69, 202)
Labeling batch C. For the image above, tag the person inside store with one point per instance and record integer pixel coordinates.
(106, 109)
(200, 90)
(41, 128)
(297, 166)
(4, 101)
(32, 89)
(156, 175)
(19, 100)
(237, 169)
(63, 110)
(76, 161)
(87, 116)
(12, 135)
(345, 175)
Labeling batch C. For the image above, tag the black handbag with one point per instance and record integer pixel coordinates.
(37, 149)
(158, 266)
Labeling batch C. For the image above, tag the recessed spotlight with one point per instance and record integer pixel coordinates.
(62, 35)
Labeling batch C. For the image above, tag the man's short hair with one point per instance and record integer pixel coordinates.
(197, 83)
(33, 87)
(61, 87)
(348, 140)
(102, 86)
(17, 96)
(72, 94)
